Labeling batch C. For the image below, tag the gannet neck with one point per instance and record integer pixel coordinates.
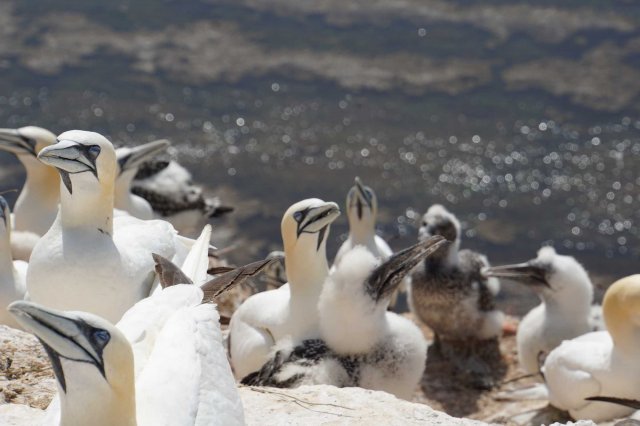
(362, 232)
(306, 267)
(37, 203)
(447, 256)
(89, 207)
(90, 399)
(123, 189)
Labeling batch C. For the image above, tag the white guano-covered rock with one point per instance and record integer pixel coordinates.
(329, 405)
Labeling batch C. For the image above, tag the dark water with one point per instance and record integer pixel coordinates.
(530, 137)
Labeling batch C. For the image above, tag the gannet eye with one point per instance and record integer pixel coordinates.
(298, 216)
(94, 150)
(101, 336)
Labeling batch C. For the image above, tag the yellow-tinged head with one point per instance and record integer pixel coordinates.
(81, 158)
(28, 140)
(92, 360)
(621, 310)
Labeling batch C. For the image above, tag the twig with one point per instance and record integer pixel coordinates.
(263, 390)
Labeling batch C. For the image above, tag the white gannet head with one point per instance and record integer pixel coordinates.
(621, 311)
(355, 296)
(26, 140)
(305, 228)
(83, 159)
(130, 158)
(362, 208)
(556, 278)
(92, 360)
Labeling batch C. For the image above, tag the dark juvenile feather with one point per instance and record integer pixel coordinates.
(169, 273)
(631, 403)
(224, 282)
(217, 270)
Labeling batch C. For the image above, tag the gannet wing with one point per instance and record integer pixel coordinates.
(226, 281)
(168, 272)
(187, 379)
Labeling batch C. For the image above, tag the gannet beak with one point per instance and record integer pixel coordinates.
(5, 212)
(131, 158)
(388, 276)
(317, 218)
(363, 197)
(524, 273)
(71, 157)
(63, 335)
(13, 141)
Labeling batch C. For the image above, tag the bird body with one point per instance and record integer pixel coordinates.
(602, 363)
(361, 343)
(89, 260)
(448, 291)
(565, 311)
(290, 310)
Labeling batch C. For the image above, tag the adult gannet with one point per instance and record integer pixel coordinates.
(566, 293)
(37, 205)
(89, 260)
(449, 292)
(129, 159)
(170, 190)
(361, 343)
(601, 363)
(12, 272)
(290, 310)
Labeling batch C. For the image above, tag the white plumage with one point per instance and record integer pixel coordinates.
(290, 310)
(89, 260)
(602, 363)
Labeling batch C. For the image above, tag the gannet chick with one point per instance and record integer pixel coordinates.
(290, 310)
(601, 363)
(129, 159)
(566, 293)
(89, 260)
(448, 292)
(12, 273)
(170, 190)
(361, 343)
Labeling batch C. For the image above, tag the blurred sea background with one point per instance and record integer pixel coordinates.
(521, 117)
